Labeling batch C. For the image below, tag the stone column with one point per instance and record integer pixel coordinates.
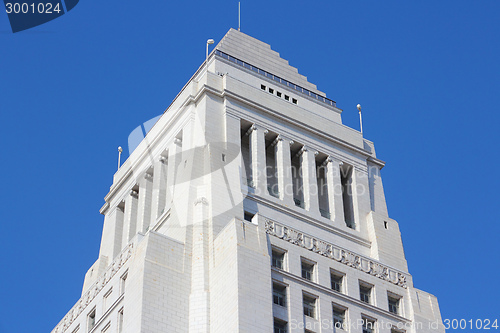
(159, 188)
(309, 179)
(258, 158)
(144, 202)
(130, 220)
(174, 158)
(334, 187)
(284, 167)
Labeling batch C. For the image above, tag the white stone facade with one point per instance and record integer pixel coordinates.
(249, 207)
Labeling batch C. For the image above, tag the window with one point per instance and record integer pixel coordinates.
(248, 216)
(309, 304)
(337, 280)
(368, 325)
(105, 299)
(287, 97)
(307, 270)
(338, 317)
(278, 258)
(120, 320)
(91, 320)
(280, 326)
(279, 294)
(271, 90)
(122, 283)
(365, 293)
(263, 87)
(394, 302)
(278, 94)
(294, 101)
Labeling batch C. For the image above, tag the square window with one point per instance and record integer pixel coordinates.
(271, 90)
(279, 294)
(394, 303)
(287, 97)
(338, 317)
(278, 94)
(278, 258)
(280, 326)
(307, 269)
(309, 304)
(263, 87)
(294, 101)
(337, 281)
(368, 325)
(365, 293)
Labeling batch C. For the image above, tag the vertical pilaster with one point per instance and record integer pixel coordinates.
(159, 188)
(309, 179)
(334, 187)
(258, 158)
(360, 197)
(144, 202)
(130, 219)
(284, 166)
(377, 197)
(199, 297)
(112, 233)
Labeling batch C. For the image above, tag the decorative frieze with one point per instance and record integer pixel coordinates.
(85, 300)
(336, 253)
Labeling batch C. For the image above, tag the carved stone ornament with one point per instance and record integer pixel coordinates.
(336, 253)
(92, 292)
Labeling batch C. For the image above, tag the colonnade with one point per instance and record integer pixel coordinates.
(319, 183)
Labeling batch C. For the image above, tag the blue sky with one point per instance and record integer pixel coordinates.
(426, 73)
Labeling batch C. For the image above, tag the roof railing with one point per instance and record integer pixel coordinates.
(275, 78)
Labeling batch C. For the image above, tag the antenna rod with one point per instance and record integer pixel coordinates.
(120, 149)
(239, 15)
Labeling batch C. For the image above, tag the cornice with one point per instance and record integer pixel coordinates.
(337, 253)
(334, 230)
(287, 120)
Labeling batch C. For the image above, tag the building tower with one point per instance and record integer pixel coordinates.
(250, 207)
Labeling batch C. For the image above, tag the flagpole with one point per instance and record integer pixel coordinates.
(360, 119)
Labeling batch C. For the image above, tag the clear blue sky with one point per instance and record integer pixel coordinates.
(426, 73)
